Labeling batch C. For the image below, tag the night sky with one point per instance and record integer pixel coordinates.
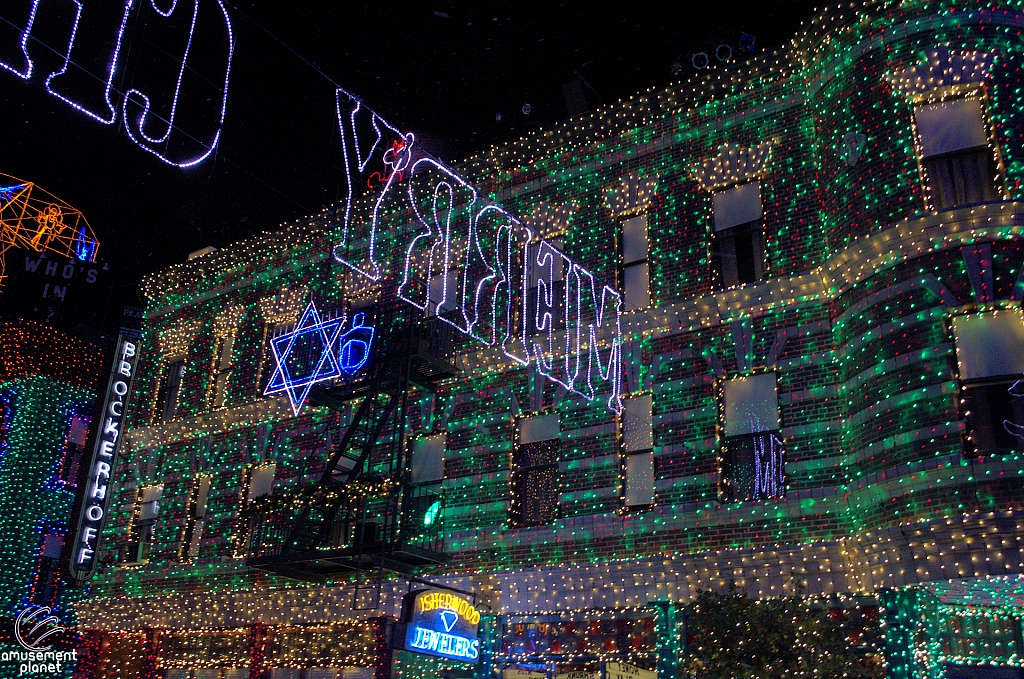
(444, 70)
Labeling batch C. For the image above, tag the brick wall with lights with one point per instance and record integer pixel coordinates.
(829, 233)
(48, 383)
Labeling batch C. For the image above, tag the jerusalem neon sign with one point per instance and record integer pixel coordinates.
(506, 286)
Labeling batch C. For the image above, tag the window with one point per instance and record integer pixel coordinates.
(170, 387)
(424, 512)
(147, 509)
(46, 578)
(426, 458)
(196, 515)
(738, 243)
(74, 449)
(636, 273)
(982, 636)
(265, 371)
(638, 451)
(443, 299)
(988, 408)
(222, 364)
(260, 481)
(990, 357)
(955, 154)
(751, 463)
(535, 470)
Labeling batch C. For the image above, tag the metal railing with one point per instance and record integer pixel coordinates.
(409, 516)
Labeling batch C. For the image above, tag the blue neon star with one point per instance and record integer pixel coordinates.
(297, 369)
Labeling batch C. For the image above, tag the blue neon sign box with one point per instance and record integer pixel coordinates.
(442, 624)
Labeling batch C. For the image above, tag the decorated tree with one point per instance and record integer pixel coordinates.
(730, 636)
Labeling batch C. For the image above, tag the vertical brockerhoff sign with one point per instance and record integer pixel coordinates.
(96, 492)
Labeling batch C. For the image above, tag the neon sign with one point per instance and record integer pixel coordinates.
(355, 346)
(501, 282)
(94, 495)
(93, 59)
(307, 355)
(31, 217)
(442, 624)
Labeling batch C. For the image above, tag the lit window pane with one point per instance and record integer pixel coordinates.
(261, 480)
(637, 424)
(427, 458)
(539, 428)
(751, 404)
(950, 126)
(640, 479)
(634, 240)
(990, 344)
(637, 286)
(738, 205)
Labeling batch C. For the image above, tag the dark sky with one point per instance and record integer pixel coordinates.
(445, 70)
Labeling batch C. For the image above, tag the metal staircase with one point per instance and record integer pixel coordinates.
(363, 514)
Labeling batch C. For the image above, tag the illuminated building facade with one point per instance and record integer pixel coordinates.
(811, 383)
(48, 383)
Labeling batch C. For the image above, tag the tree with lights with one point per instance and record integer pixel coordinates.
(730, 635)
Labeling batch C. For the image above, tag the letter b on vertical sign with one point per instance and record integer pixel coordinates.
(176, 90)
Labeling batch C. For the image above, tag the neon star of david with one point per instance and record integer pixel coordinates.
(309, 328)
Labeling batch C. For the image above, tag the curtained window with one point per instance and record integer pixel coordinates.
(957, 160)
(752, 461)
(535, 473)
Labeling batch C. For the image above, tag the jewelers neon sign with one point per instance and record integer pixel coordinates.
(499, 281)
(442, 624)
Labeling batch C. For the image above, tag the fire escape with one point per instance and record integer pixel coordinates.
(363, 516)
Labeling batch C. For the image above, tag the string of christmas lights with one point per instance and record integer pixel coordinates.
(879, 489)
